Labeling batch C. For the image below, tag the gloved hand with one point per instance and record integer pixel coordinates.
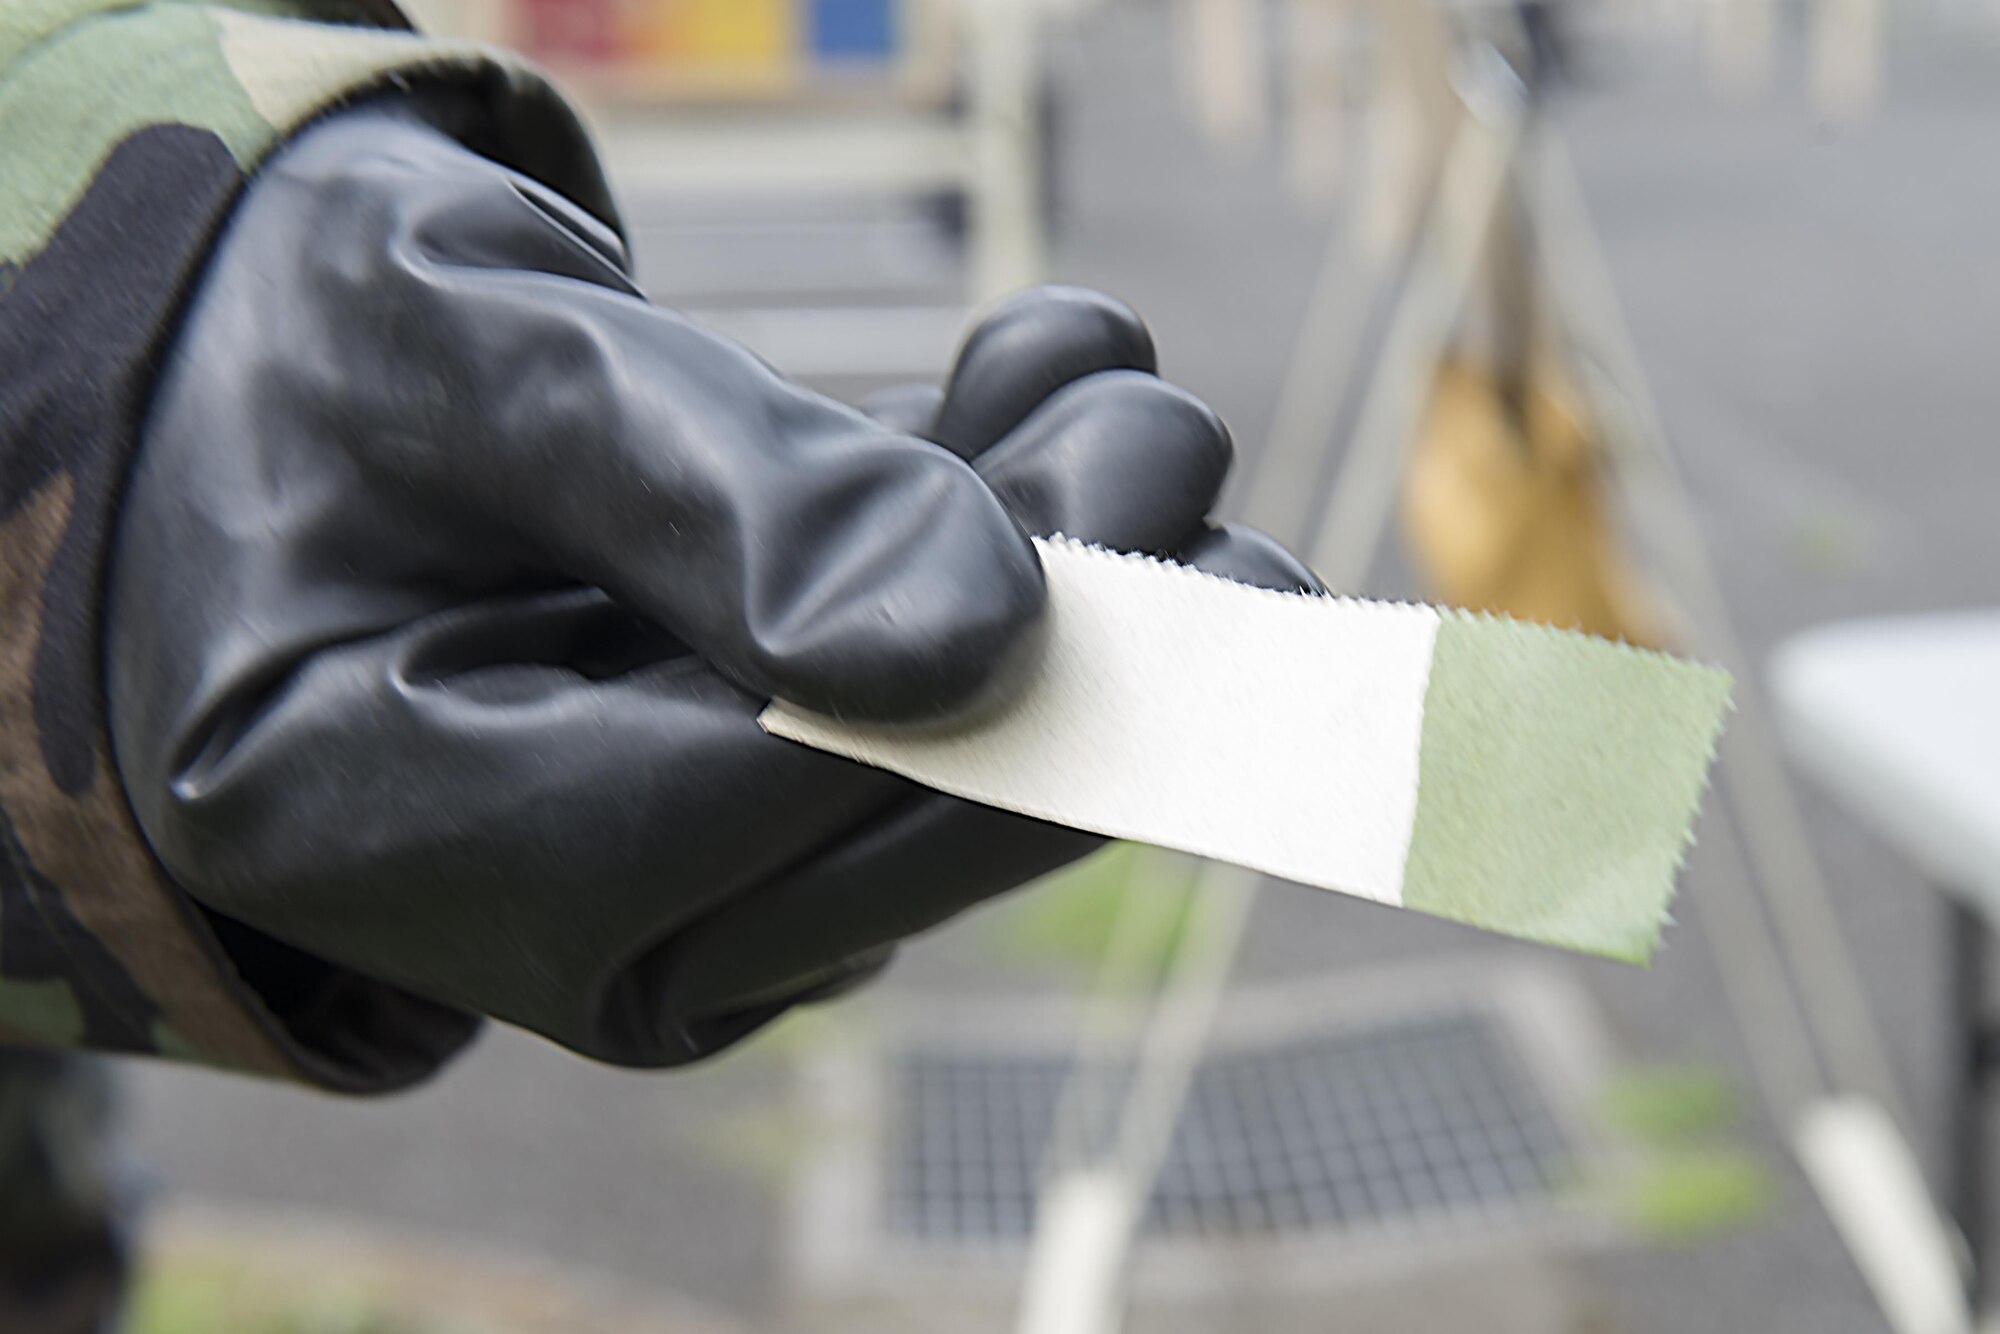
(452, 575)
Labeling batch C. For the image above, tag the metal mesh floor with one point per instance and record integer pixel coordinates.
(1419, 1121)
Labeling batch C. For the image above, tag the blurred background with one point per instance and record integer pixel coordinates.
(1672, 319)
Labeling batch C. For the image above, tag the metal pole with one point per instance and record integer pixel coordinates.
(1005, 233)
(1759, 789)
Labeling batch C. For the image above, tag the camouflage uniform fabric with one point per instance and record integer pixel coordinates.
(127, 131)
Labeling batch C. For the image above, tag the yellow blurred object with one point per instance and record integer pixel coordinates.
(1496, 522)
(735, 33)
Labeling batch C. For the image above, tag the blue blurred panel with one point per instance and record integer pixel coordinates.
(853, 29)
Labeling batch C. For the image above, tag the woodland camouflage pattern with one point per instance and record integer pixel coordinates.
(126, 132)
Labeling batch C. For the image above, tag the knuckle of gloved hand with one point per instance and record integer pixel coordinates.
(1029, 347)
(1119, 458)
(1061, 326)
(920, 601)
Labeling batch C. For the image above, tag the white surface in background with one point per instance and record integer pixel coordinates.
(1900, 718)
(824, 343)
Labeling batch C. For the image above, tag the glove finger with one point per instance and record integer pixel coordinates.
(532, 794)
(469, 356)
(1027, 348)
(909, 408)
(706, 1034)
(917, 865)
(803, 550)
(848, 978)
(1120, 458)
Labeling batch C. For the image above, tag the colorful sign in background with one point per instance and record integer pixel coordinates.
(775, 37)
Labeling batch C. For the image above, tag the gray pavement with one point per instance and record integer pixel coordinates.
(1819, 312)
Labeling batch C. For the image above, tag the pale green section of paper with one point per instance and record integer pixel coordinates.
(1558, 781)
(69, 101)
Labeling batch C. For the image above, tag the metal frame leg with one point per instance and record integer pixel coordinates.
(1965, 1187)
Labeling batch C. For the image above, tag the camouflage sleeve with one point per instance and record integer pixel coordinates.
(126, 132)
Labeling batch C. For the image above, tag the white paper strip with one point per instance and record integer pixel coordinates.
(1507, 775)
(1173, 707)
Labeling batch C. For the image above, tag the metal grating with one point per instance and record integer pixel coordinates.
(1416, 1122)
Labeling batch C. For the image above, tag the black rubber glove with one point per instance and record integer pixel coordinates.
(452, 575)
